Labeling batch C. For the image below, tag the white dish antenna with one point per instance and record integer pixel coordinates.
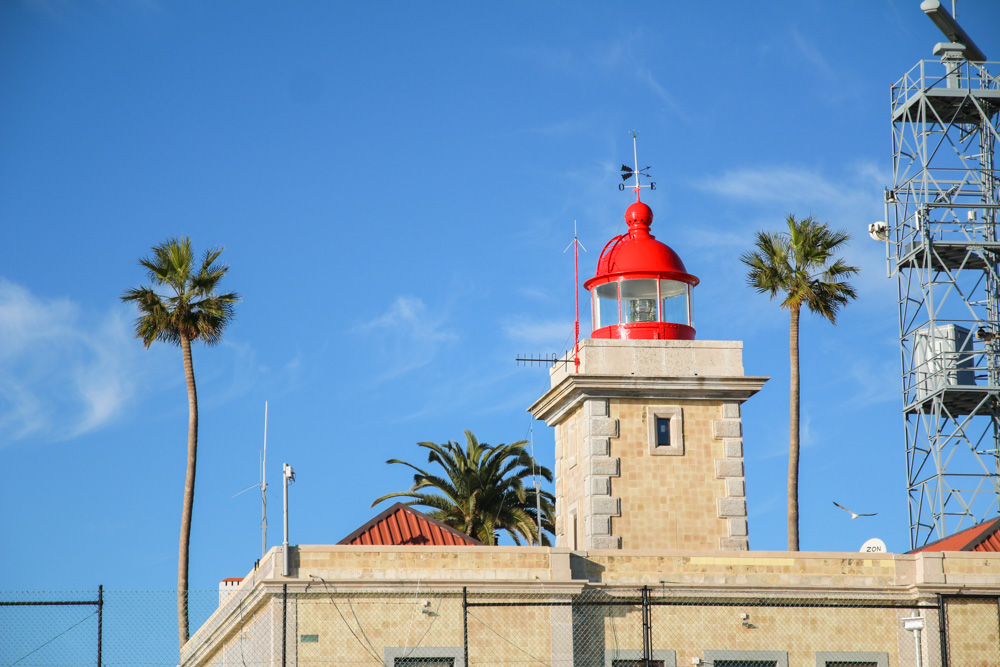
(873, 546)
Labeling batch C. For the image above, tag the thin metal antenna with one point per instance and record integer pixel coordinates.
(576, 286)
(262, 485)
(635, 160)
(263, 490)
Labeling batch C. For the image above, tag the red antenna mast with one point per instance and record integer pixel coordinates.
(576, 284)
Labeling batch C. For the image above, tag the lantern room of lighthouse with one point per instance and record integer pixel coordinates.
(648, 433)
(641, 289)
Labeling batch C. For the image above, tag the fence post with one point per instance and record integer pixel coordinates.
(465, 623)
(943, 629)
(100, 621)
(646, 629)
(284, 623)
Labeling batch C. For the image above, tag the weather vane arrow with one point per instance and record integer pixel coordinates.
(635, 172)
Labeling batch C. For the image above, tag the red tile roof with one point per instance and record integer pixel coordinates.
(402, 525)
(981, 537)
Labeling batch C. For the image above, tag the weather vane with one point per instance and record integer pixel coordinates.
(630, 172)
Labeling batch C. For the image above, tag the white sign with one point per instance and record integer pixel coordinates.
(873, 546)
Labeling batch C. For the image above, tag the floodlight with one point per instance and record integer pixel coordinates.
(879, 231)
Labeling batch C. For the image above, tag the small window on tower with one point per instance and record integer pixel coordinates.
(662, 432)
(666, 430)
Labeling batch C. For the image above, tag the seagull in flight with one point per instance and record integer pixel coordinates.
(854, 515)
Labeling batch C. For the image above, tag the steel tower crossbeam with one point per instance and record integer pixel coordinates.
(944, 243)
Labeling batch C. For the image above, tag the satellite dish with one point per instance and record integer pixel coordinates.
(873, 546)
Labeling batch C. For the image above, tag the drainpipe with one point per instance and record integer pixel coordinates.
(288, 475)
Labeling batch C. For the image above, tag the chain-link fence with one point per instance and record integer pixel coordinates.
(408, 626)
(61, 628)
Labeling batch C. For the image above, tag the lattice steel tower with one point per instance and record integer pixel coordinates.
(943, 240)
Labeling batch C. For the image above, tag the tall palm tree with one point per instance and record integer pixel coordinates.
(190, 309)
(796, 265)
(482, 490)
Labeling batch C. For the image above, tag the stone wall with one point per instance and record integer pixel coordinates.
(350, 605)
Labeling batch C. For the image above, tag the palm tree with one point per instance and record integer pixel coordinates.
(797, 266)
(482, 490)
(192, 309)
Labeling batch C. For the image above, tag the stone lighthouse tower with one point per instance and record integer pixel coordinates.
(649, 443)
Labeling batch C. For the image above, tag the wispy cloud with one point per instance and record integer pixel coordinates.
(763, 195)
(646, 78)
(524, 330)
(409, 335)
(409, 316)
(793, 185)
(811, 54)
(59, 376)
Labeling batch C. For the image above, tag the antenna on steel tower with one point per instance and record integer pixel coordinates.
(943, 241)
(959, 40)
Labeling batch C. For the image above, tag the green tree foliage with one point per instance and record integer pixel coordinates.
(798, 267)
(183, 305)
(482, 490)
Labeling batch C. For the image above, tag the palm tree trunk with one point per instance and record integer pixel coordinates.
(793, 439)
(192, 460)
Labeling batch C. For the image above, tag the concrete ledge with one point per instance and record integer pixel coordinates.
(562, 399)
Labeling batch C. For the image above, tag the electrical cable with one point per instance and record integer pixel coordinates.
(367, 649)
(429, 626)
(614, 629)
(356, 620)
(409, 628)
(488, 627)
(243, 657)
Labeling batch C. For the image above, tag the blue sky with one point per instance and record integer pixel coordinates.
(394, 185)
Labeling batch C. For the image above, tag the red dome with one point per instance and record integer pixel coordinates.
(646, 277)
(638, 252)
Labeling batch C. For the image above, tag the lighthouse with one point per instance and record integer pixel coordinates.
(648, 428)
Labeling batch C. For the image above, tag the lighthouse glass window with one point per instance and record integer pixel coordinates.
(674, 295)
(638, 301)
(606, 305)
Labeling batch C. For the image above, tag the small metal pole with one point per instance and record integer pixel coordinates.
(288, 475)
(465, 624)
(915, 624)
(100, 622)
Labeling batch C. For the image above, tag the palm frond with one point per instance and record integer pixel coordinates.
(191, 308)
(795, 265)
(481, 489)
